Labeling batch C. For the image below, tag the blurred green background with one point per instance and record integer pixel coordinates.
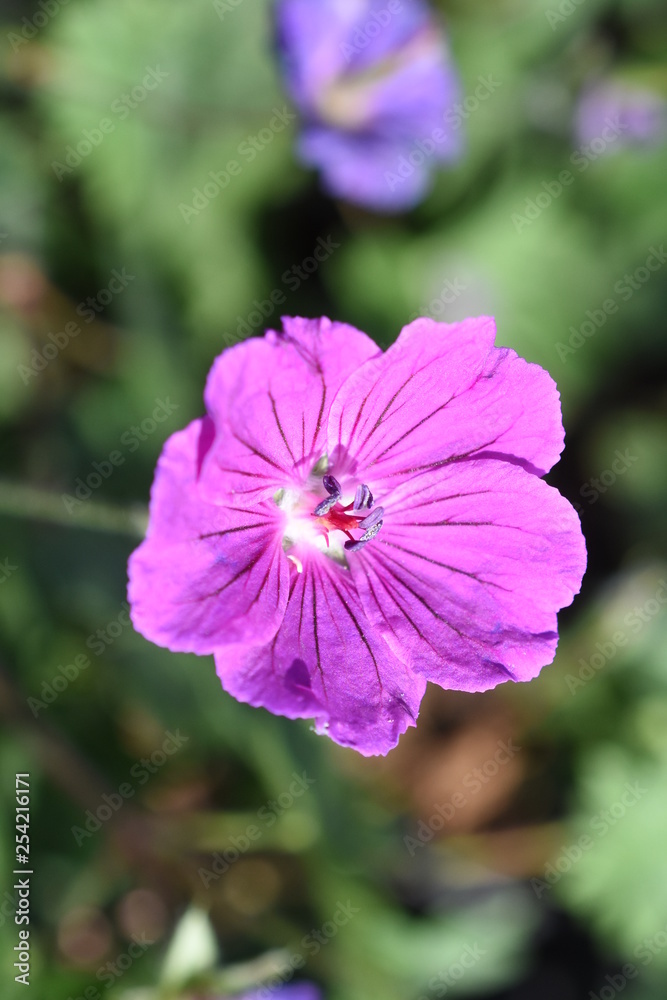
(444, 869)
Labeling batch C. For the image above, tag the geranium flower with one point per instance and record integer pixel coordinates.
(345, 525)
(637, 111)
(374, 82)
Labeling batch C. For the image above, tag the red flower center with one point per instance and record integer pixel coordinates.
(333, 516)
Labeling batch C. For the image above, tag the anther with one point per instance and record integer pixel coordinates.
(325, 506)
(372, 519)
(366, 537)
(344, 519)
(332, 486)
(362, 498)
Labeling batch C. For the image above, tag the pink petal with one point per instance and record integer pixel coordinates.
(206, 575)
(444, 391)
(269, 399)
(466, 576)
(326, 663)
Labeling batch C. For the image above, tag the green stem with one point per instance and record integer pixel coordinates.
(17, 500)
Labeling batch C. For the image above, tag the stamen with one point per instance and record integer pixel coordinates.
(362, 498)
(366, 537)
(344, 518)
(373, 518)
(325, 506)
(332, 486)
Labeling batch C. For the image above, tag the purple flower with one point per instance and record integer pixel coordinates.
(639, 114)
(345, 525)
(374, 82)
(294, 991)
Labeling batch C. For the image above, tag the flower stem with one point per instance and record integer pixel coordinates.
(17, 500)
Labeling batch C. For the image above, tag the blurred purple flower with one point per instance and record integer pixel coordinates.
(294, 991)
(345, 525)
(374, 82)
(640, 113)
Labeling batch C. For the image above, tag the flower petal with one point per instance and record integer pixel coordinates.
(205, 575)
(442, 392)
(411, 102)
(363, 169)
(269, 399)
(326, 663)
(312, 35)
(325, 40)
(469, 570)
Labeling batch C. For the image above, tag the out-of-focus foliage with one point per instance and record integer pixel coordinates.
(130, 254)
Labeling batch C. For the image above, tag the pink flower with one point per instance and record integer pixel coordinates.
(345, 525)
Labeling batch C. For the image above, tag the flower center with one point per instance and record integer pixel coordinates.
(348, 101)
(323, 524)
(331, 515)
